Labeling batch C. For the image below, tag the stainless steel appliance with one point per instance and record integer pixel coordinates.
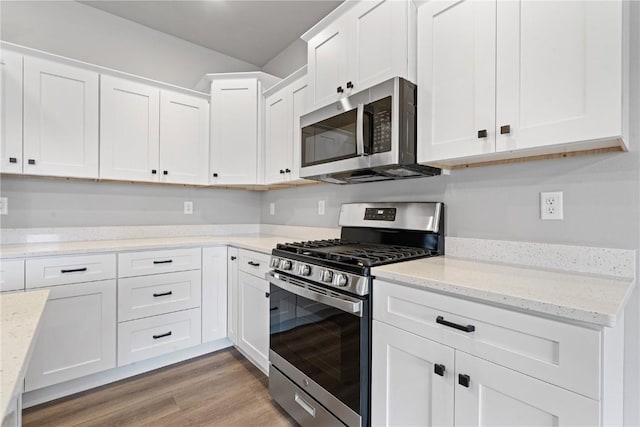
(320, 301)
(368, 136)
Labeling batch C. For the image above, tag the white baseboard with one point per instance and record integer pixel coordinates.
(78, 385)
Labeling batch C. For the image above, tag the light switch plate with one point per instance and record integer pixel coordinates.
(4, 205)
(320, 207)
(272, 208)
(188, 208)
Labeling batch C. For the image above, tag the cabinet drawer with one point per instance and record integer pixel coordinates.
(153, 262)
(11, 275)
(254, 263)
(556, 352)
(153, 336)
(72, 269)
(158, 294)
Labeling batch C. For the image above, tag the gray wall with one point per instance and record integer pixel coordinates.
(43, 202)
(289, 60)
(87, 34)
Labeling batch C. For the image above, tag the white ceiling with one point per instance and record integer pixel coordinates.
(251, 30)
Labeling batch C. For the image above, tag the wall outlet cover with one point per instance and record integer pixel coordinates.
(272, 208)
(551, 206)
(188, 208)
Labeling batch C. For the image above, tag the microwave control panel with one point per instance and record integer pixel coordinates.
(381, 127)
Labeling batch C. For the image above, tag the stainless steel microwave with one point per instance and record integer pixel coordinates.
(368, 136)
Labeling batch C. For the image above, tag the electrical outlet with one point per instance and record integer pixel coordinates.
(4, 205)
(320, 207)
(272, 208)
(188, 208)
(551, 206)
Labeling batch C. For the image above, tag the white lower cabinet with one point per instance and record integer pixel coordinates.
(78, 335)
(214, 293)
(407, 391)
(153, 336)
(232, 294)
(253, 319)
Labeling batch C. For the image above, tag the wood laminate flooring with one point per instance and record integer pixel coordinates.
(219, 389)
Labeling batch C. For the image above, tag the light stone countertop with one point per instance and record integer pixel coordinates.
(255, 242)
(20, 321)
(592, 299)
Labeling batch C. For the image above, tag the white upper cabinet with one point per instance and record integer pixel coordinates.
(60, 119)
(283, 108)
(129, 130)
(10, 112)
(503, 79)
(559, 68)
(184, 138)
(360, 45)
(234, 131)
(456, 83)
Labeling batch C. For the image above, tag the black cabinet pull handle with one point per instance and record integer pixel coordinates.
(505, 129)
(163, 294)
(166, 261)
(31, 161)
(215, 175)
(339, 89)
(273, 308)
(281, 171)
(482, 133)
(166, 334)
(266, 294)
(464, 380)
(465, 328)
(287, 170)
(349, 85)
(233, 258)
(153, 171)
(165, 172)
(254, 264)
(74, 270)
(13, 160)
(439, 369)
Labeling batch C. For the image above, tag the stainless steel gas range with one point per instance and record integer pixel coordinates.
(320, 302)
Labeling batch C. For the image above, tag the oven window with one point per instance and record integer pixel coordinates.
(321, 341)
(331, 139)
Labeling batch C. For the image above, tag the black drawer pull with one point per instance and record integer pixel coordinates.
(254, 264)
(163, 294)
(339, 89)
(465, 328)
(439, 369)
(74, 270)
(282, 171)
(267, 294)
(287, 170)
(506, 129)
(166, 261)
(482, 133)
(349, 85)
(464, 380)
(273, 308)
(215, 175)
(166, 334)
(153, 171)
(233, 258)
(31, 161)
(13, 160)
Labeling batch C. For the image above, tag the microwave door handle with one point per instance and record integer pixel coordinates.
(351, 307)
(360, 131)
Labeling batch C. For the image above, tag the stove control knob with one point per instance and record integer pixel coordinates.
(341, 280)
(285, 264)
(326, 276)
(275, 262)
(305, 270)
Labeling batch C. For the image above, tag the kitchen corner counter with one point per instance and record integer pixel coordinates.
(20, 320)
(597, 300)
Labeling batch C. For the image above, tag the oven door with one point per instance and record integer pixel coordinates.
(320, 340)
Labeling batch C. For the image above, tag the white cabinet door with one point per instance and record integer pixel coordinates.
(299, 91)
(214, 293)
(559, 72)
(405, 388)
(60, 119)
(327, 64)
(129, 130)
(232, 293)
(278, 138)
(456, 82)
(378, 49)
(184, 138)
(497, 396)
(10, 112)
(253, 319)
(234, 131)
(78, 335)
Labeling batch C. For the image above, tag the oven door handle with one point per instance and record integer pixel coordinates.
(352, 307)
